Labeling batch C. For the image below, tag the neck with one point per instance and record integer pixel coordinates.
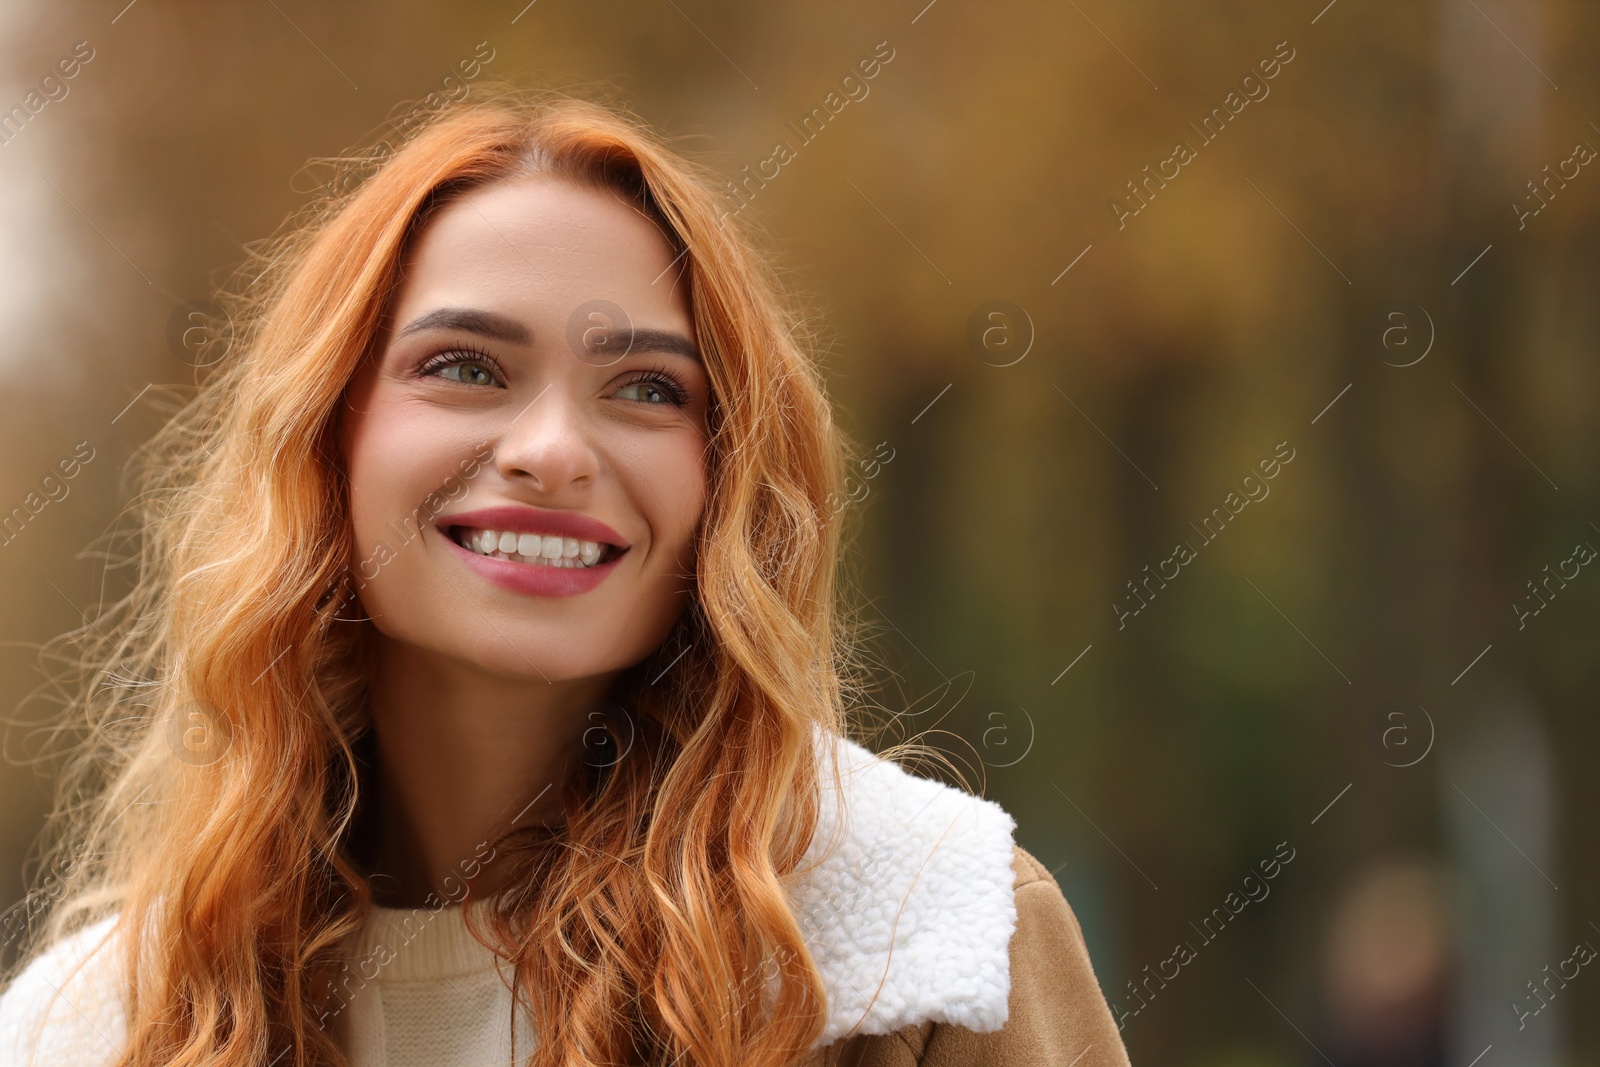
(462, 756)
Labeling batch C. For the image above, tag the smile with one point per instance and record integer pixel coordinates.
(539, 550)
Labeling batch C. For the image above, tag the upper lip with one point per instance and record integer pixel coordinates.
(525, 518)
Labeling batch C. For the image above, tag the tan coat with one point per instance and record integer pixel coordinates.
(1058, 1016)
(939, 941)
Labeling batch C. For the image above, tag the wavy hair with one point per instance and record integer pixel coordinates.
(214, 802)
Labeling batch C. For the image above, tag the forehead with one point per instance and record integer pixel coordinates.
(540, 248)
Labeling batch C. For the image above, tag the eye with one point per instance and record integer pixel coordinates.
(467, 366)
(654, 387)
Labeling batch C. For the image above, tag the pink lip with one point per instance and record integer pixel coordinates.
(534, 579)
(524, 518)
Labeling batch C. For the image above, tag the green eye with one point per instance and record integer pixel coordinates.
(655, 387)
(467, 366)
(467, 374)
(647, 392)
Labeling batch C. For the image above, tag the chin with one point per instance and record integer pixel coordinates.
(540, 640)
(537, 666)
(547, 654)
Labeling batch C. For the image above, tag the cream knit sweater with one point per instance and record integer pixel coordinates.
(443, 999)
(921, 869)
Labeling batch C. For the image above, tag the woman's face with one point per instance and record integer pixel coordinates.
(527, 473)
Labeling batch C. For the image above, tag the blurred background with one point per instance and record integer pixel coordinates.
(1227, 378)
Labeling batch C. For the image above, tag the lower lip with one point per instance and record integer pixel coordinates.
(534, 579)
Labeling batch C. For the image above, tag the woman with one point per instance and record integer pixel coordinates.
(483, 668)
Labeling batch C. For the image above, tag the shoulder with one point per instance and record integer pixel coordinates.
(939, 939)
(64, 1008)
(908, 903)
(1058, 1014)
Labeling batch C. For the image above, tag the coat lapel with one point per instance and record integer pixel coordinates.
(909, 913)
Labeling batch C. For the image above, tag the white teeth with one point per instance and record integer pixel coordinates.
(550, 550)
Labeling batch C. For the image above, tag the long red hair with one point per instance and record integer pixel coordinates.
(654, 926)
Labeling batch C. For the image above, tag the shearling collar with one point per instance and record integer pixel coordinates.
(910, 919)
(904, 900)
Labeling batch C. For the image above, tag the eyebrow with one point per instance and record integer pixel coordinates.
(504, 328)
(470, 320)
(643, 339)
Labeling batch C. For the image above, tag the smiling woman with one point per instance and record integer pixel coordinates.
(599, 474)
(576, 752)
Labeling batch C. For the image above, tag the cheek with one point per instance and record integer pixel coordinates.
(665, 481)
(396, 458)
(668, 481)
(380, 472)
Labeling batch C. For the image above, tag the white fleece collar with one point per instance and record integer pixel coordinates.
(910, 919)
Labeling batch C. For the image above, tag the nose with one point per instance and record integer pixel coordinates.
(547, 445)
